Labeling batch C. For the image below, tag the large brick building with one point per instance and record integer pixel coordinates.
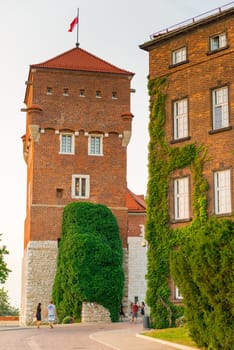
(196, 57)
(78, 126)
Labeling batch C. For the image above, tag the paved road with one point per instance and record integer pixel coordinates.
(117, 336)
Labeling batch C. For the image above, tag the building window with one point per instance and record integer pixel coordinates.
(114, 95)
(178, 295)
(181, 198)
(49, 91)
(220, 108)
(98, 94)
(95, 145)
(218, 42)
(80, 186)
(179, 55)
(67, 143)
(222, 191)
(180, 116)
(65, 92)
(82, 93)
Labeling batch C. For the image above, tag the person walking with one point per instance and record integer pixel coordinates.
(38, 315)
(51, 310)
(121, 313)
(134, 312)
(142, 308)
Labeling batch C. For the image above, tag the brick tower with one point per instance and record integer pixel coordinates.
(78, 125)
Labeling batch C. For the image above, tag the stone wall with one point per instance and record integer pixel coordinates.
(93, 312)
(38, 271)
(137, 262)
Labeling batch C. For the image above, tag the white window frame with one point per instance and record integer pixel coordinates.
(222, 192)
(178, 295)
(95, 149)
(218, 41)
(68, 147)
(179, 55)
(181, 198)
(220, 108)
(180, 117)
(83, 183)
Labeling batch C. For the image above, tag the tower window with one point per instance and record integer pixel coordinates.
(98, 94)
(67, 143)
(49, 91)
(95, 145)
(80, 186)
(114, 95)
(59, 192)
(65, 92)
(82, 93)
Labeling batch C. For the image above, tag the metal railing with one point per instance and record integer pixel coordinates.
(192, 20)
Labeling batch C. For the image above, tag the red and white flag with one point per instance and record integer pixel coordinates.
(73, 23)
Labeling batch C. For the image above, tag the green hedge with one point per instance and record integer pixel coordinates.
(90, 261)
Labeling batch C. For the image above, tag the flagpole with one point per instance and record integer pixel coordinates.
(77, 33)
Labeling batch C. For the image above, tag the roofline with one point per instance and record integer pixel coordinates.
(42, 64)
(182, 27)
(34, 66)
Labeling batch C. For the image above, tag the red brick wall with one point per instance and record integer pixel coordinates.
(48, 170)
(134, 222)
(195, 80)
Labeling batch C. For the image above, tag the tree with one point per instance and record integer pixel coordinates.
(4, 271)
(203, 269)
(90, 261)
(5, 308)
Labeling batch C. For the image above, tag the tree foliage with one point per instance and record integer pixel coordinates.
(90, 261)
(4, 271)
(5, 308)
(203, 268)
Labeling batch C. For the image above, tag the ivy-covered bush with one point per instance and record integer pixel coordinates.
(90, 261)
(163, 160)
(203, 267)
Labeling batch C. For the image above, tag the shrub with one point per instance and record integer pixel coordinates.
(68, 319)
(203, 269)
(90, 261)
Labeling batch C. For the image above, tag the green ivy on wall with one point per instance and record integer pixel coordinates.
(163, 161)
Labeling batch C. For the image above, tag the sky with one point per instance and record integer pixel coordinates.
(33, 31)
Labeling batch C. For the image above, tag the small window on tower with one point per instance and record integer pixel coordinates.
(82, 93)
(98, 94)
(49, 91)
(114, 95)
(65, 92)
(59, 192)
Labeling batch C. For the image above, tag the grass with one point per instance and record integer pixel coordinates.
(178, 335)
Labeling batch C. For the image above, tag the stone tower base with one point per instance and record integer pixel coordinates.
(38, 271)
